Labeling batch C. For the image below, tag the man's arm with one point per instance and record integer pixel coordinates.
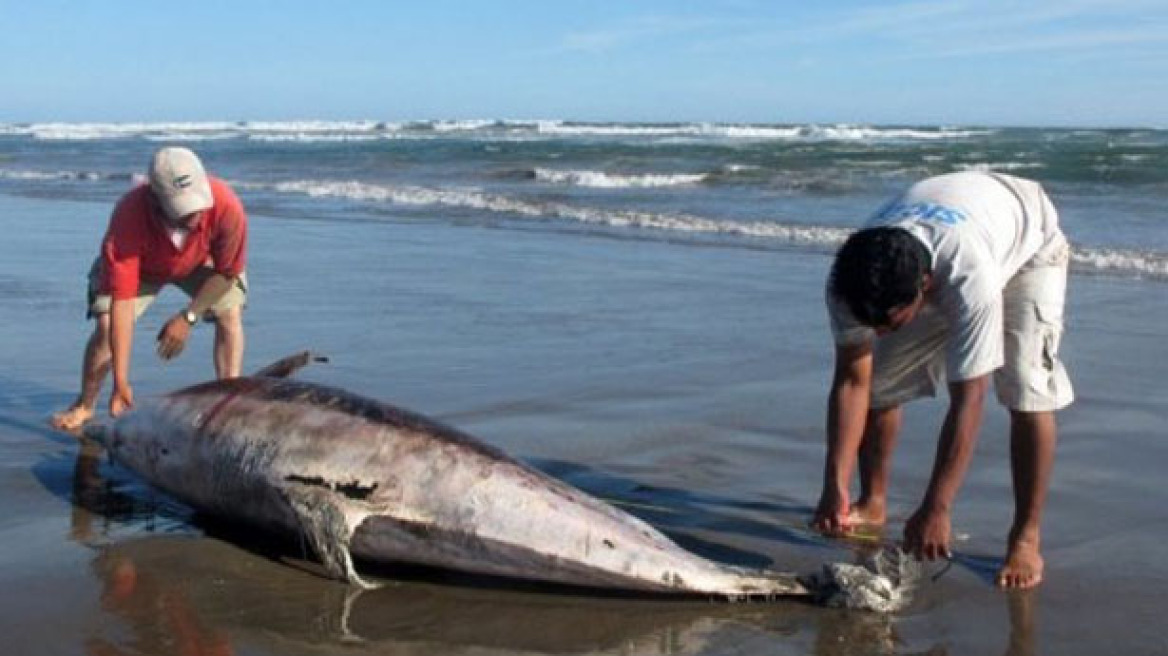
(847, 412)
(211, 292)
(228, 250)
(121, 342)
(173, 336)
(927, 533)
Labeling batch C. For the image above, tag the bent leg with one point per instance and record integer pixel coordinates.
(229, 342)
(1033, 436)
(875, 462)
(95, 366)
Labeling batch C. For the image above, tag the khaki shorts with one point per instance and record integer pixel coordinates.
(147, 291)
(910, 363)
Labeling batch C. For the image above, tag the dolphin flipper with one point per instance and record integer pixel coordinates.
(328, 530)
(285, 367)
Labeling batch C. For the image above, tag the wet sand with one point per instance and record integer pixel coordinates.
(685, 384)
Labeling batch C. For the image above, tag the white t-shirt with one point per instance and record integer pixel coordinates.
(980, 229)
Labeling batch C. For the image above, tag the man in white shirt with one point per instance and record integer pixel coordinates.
(960, 277)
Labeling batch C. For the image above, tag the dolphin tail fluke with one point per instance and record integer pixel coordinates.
(328, 530)
(285, 367)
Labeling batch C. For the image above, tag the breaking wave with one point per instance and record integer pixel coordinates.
(603, 180)
(540, 210)
(1140, 264)
(1143, 264)
(369, 130)
(986, 167)
(49, 176)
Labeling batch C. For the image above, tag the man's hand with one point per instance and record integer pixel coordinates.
(831, 516)
(927, 534)
(173, 337)
(121, 400)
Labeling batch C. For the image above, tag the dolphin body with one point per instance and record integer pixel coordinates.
(359, 477)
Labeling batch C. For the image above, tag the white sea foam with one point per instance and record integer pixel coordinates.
(986, 167)
(97, 131)
(190, 136)
(307, 131)
(31, 175)
(868, 133)
(319, 127)
(46, 176)
(560, 128)
(740, 168)
(189, 131)
(603, 180)
(519, 208)
(462, 126)
(317, 137)
(1144, 264)
(758, 132)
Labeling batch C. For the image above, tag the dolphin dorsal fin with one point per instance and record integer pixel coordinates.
(285, 367)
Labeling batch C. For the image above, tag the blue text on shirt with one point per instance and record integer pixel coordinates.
(896, 212)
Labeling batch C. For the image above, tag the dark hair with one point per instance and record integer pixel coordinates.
(878, 269)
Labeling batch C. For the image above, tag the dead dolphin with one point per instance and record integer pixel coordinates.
(358, 477)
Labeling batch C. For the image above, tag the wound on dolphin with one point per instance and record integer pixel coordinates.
(352, 490)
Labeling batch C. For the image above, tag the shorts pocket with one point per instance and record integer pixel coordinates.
(1050, 324)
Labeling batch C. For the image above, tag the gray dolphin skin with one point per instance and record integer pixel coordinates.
(361, 478)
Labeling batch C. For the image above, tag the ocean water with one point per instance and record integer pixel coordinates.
(750, 186)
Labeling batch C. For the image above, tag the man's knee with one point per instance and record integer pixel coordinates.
(101, 327)
(230, 320)
(1033, 426)
(1031, 418)
(229, 339)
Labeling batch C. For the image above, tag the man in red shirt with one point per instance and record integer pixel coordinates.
(184, 228)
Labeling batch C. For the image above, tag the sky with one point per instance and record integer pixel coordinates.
(1090, 63)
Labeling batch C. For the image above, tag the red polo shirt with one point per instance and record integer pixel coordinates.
(138, 247)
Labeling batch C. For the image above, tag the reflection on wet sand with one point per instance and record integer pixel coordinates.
(159, 614)
(204, 595)
(102, 503)
(1022, 623)
(199, 595)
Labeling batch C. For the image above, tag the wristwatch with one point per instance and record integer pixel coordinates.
(190, 317)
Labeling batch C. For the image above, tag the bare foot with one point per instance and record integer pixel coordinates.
(1023, 568)
(73, 419)
(867, 512)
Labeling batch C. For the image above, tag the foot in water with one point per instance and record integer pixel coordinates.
(72, 419)
(1023, 568)
(867, 513)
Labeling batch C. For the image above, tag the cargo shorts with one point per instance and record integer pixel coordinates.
(910, 363)
(99, 303)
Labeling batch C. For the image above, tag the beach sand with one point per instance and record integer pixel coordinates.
(683, 383)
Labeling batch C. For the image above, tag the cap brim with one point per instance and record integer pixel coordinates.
(188, 202)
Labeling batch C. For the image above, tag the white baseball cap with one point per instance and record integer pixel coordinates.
(179, 182)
